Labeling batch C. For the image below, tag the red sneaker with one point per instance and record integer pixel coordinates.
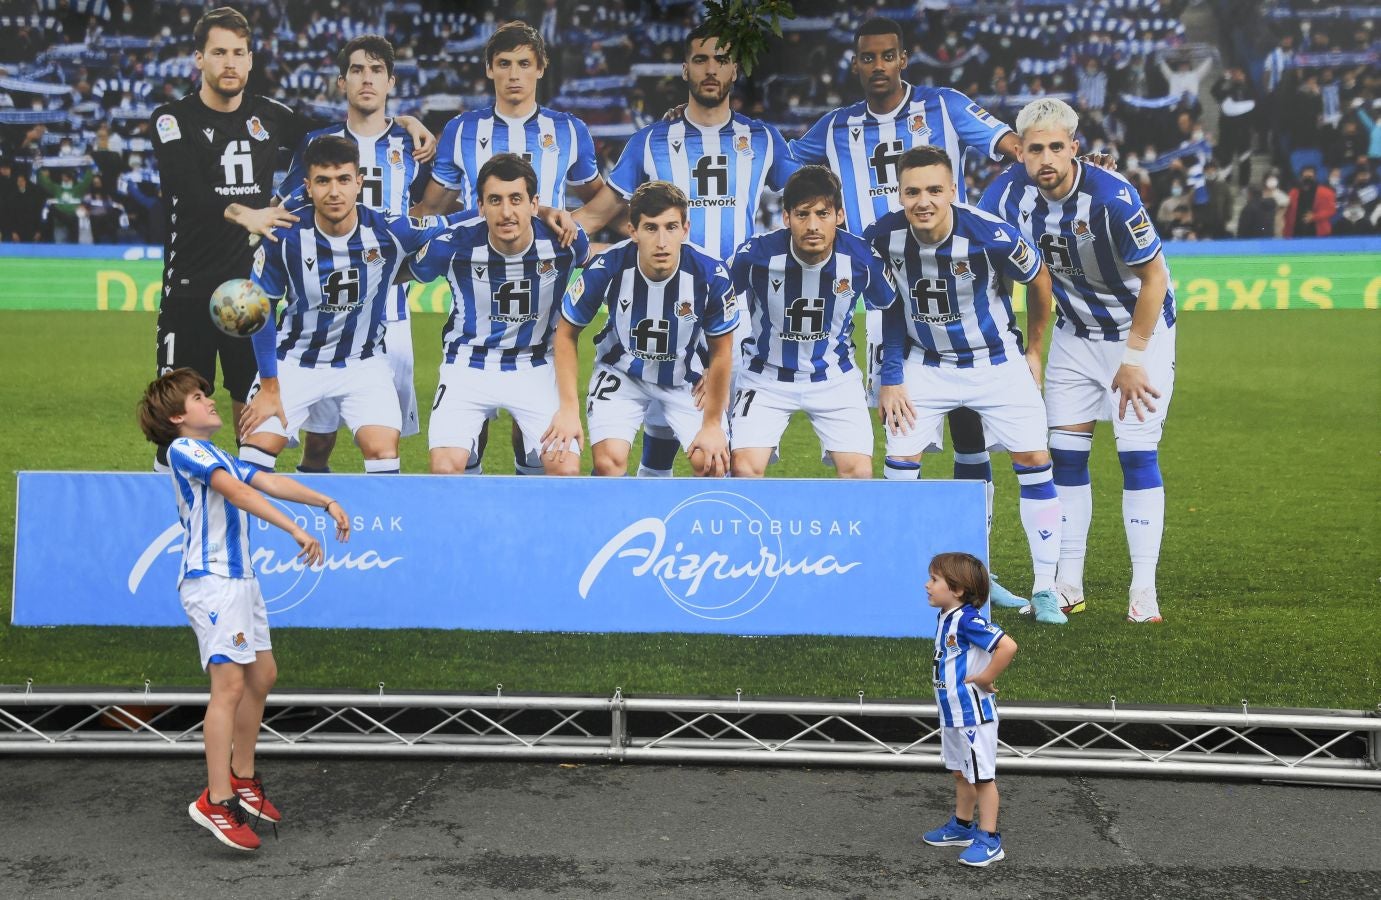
(225, 820)
(251, 793)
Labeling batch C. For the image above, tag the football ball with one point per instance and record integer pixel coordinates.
(239, 307)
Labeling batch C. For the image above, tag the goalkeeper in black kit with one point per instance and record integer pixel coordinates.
(217, 151)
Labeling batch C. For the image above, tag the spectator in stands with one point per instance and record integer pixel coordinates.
(1213, 212)
(1236, 122)
(65, 192)
(104, 215)
(1372, 123)
(1257, 219)
(23, 211)
(1175, 215)
(1093, 87)
(1279, 199)
(1304, 115)
(1345, 144)
(1311, 208)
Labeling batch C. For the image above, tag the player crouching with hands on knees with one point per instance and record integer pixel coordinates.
(220, 593)
(970, 653)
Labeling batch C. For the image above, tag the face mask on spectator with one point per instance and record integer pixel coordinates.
(1176, 190)
(1198, 134)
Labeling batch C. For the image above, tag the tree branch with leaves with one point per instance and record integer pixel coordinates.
(744, 26)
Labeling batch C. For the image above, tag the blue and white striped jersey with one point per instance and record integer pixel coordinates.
(964, 642)
(502, 307)
(337, 288)
(863, 147)
(722, 171)
(387, 170)
(215, 532)
(557, 144)
(801, 317)
(954, 305)
(1089, 240)
(654, 327)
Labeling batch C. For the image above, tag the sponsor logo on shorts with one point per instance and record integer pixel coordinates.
(239, 641)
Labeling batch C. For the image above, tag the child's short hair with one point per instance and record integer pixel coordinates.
(965, 574)
(166, 397)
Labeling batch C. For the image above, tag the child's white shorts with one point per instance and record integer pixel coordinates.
(971, 750)
(228, 616)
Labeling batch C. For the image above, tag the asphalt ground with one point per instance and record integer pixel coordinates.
(458, 828)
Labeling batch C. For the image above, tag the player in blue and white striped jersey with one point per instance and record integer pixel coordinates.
(507, 271)
(721, 161)
(970, 654)
(1113, 352)
(798, 287)
(953, 342)
(388, 169)
(216, 494)
(666, 298)
(336, 266)
(862, 143)
(557, 144)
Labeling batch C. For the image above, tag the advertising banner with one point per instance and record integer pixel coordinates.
(1321, 273)
(729, 556)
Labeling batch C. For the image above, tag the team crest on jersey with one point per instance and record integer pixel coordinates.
(685, 309)
(915, 123)
(1139, 225)
(395, 157)
(259, 260)
(547, 142)
(842, 288)
(951, 642)
(743, 145)
(257, 129)
(960, 269)
(1082, 230)
(1021, 256)
(239, 641)
(372, 257)
(546, 269)
(168, 129)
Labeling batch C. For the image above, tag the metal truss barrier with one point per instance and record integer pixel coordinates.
(1307, 746)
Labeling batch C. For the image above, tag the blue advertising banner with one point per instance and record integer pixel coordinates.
(750, 557)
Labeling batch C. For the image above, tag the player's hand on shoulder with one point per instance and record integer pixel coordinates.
(895, 409)
(560, 221)
(423, 141)
(262, 222)
(674, 113)
(1104, 161)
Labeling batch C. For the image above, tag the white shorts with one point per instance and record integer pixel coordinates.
(872, 329)
(1004, 395)
(228, 616)
(1078, 383)
(618, 404)
(466, 397)
(836, 408)
(971, 750)
(325, 418)
(361, 391)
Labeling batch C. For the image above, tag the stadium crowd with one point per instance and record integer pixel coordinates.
(1273, 132)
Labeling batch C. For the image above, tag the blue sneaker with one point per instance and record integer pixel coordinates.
(1046, 605)
(985, 850)
(1000, 596)
(951, 834)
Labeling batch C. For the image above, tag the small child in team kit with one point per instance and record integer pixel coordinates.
(970, 653)
(216, 494)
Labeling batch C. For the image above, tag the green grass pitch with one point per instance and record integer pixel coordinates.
(1268, 579)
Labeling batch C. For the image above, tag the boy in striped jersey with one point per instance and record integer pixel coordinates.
(954, 342)
(387, 171)
(507, 272)
(1113, 352)
(970, 654)
(216, 494)
(557, 144)
(666, 299)
(800, 284)
(336, 266)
